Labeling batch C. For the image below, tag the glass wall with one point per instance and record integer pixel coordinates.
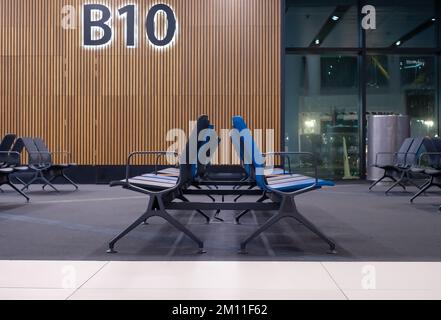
(322, 110)
(336, 74)
(310, 22)
(404, 24)
(404, 84)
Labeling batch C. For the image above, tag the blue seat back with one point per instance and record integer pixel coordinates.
(248, 151)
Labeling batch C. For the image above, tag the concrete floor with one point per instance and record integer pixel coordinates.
(367, 226)
(54, 248)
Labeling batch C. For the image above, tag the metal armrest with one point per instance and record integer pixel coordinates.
(395, 154)
(427, 154)
(41, 165)
(63, 152)
(158, 154)
(285, 155)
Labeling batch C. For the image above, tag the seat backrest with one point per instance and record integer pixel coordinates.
(18, 146)
(46, 156)
(209, 152)
(248, 151)
(34, 157)
(188, 160)
(435, 161)
(402, 152)
(5, 146)
(413, 153)
(7, 142)
(14, 158)
(430, 147)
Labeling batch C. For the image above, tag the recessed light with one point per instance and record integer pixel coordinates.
(335, 18)
(433, 19)
(398, 43)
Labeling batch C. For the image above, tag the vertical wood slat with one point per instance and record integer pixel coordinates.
(102, 104)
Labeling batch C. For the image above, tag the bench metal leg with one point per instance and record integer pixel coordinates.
(385, 176)
(20, 180)
(378, 181)
(203, 214)
(288, 209)
(241, 195)
(163, 214)
(217, 213)
(423, 189)
(18, 191)
(65, 177)
(135, 224)
(240, 215)
(399, 182)
(156, 208)
(273, 220)
(39, 176)
(70, 181)
(50, 180)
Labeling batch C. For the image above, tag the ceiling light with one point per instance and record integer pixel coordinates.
(317, 41)
(433, 19)
(398, 43)
(335, 18)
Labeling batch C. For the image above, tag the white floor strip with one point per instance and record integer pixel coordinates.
(218, 280)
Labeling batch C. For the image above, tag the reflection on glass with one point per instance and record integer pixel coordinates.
(404, 85)
(321, 23)
(403, 23)
(322, 111)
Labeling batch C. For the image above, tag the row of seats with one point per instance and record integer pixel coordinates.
(40, 163)
(416, 158)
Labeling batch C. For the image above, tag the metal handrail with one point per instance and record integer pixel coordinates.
(137, 153)
(427, 154)
(12, 152)
(395, 154)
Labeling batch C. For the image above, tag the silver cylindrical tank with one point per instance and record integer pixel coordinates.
(386, 133)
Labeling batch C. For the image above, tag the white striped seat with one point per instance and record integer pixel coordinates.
(162, 177)
(6, 170)
(280, 177)
(20, 168)
(287, 180)
(170, 171)
(154, 180)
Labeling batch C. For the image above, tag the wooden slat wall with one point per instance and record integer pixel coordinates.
(102, 104)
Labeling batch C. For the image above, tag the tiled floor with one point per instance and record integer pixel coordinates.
(218, 280)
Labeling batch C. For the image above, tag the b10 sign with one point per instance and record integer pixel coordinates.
(98, 32)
